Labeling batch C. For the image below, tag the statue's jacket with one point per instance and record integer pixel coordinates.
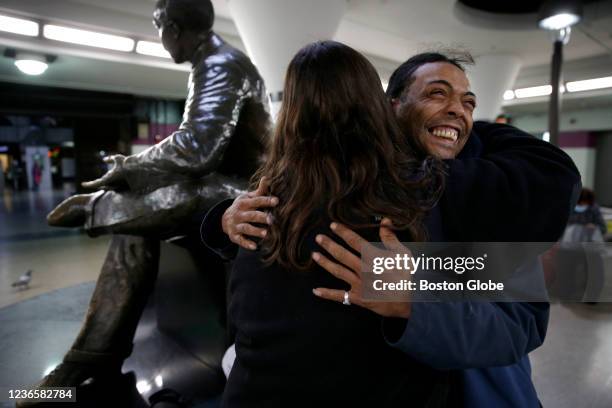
(211, 157)
(225, 125)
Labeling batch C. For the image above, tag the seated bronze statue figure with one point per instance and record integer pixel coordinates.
(152, 195)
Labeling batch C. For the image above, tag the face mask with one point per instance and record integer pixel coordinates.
(580, 208)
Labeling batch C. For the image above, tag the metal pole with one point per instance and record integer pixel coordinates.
(554, 109)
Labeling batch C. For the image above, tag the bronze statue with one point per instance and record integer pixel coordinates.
(152, 195)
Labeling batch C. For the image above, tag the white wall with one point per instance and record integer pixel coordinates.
(585, 160)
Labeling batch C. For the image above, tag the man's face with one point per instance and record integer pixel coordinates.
(168, 36)
(437, 109)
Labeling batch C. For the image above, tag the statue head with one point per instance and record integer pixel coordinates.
(183, 25)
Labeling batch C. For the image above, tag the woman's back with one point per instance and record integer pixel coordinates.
(337, 153)
(294, 349)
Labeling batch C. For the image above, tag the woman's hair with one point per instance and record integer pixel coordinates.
(337, 153)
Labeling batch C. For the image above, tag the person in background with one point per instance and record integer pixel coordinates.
(503, 119)
(587, 212)
(2, 182)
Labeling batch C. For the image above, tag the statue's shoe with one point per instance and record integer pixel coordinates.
(72, 212)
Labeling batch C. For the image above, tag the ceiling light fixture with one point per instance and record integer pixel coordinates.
(151, 48)
(559, 14)
(559, 21)
(31, 64)
(89, 38)
(589, 84)
(508, 95)
(18, 26)
(533, 91)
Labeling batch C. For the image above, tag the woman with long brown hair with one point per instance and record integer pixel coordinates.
(337, 154)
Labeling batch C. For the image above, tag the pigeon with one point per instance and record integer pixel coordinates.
(24, 281)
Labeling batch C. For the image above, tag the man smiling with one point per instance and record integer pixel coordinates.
(424, 112)
(502, 185)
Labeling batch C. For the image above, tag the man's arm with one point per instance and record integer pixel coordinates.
(461, 335)
(444, 335)
(228, 223)
(518, 189)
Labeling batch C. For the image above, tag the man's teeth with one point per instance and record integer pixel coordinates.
(446, 133)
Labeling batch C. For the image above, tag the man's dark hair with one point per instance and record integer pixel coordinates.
(196, 15)
(403, 76)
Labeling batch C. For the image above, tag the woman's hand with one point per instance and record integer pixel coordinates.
(348, 268)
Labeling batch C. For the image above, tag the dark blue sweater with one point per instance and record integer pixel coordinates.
(504, 186)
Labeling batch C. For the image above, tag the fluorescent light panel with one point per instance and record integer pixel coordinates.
(589, 84)
(151, 48)
(533, 91)
(18, 26)
(90, 38)
(574, 86)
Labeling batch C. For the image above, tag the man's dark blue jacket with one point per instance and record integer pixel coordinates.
(504, 186)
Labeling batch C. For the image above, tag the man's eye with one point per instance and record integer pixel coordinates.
(437, 92)
(472, 104)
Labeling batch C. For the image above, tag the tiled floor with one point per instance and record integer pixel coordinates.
(57, 257)
(573, 369)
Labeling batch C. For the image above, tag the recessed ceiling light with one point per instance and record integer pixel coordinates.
(559, 21)
(559, 14)
(31, 64)
(508, 95)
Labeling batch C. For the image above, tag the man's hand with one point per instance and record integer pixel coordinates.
(245, 210)
(348, 268)
(113, 178)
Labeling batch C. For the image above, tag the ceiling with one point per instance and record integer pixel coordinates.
(387, 31)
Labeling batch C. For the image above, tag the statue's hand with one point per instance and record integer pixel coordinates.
(113, 178)
(245, 210)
